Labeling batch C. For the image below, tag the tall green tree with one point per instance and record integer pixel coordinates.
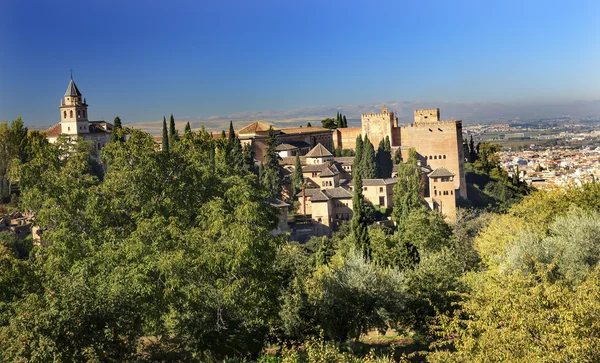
(165, 136)
(272, 171)
(172, 133)
(359, 222)
(231, 134)
(188, 128)
(340, 121)
(117, 130)
(248, 159)
(357, 164)
(308, 124)
(369, 163)
(297, 178)
(345, 122)
(409, 189)
(384, 159)
(329, 123)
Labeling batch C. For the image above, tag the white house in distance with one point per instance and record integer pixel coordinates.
(74, 120)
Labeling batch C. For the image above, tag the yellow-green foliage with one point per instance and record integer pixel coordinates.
(525, 318)
(319, 351)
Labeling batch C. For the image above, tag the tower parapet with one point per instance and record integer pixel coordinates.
(427, 115)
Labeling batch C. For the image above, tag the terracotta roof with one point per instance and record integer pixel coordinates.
(318, 151)
(440, 172)
(255, 127)
(55, 130)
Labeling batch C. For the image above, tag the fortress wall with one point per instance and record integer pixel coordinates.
(346, 137)
(438, 144)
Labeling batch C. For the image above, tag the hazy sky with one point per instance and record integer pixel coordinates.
(145, 59)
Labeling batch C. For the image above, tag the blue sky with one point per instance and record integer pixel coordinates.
(142, 60)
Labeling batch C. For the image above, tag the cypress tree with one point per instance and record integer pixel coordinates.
(369, 164)
(345, 122)
(231, 135)
(271, 173)
(408, 190)
(516, 180)
(308, 124)
(384, 159)
(248, 159)
(116, 131)
(165, 136)
(172, 133)
(340, 121)
(357, 165)
(297, 178)
(472, 152)
(359, 220)
(188, 128)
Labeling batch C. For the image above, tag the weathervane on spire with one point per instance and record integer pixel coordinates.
(71, 70)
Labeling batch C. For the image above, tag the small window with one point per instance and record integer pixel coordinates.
(71, 114)
(440, 157)
(365, 189)
(68, 129)
(64, 114)
(381, 201)
(435, 157)
(435, 193)
(380, 189)
(444, 156)
(452, 192)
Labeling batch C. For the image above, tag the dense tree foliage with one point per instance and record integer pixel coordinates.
(385, 164)
(271, 176)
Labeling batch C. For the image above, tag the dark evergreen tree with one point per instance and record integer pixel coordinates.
(231, 136)
(516, 182)
(248, 159)
(271, 178)
(344, 121)
(357, 165)
(359, 220)
(165, 136)
(397, 156)
(308, 124)
(472, 151)
(369, 164)
(116, 131)
(384, 159)
(188, 128)
(340, 121)
(297, 178)
(236, 156)
(172, 133)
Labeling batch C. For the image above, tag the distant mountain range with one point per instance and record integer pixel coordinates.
(470, 112)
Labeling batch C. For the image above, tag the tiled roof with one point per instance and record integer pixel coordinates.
(277, 203)
(440, 172)
(54, 131)
(331, 193)
(309, 192)
(300, 130)
(347, 160)
(329, 171)
(375, 182)
(318, 151)
(286, 147)
(338, 193)
(255, 127)
(72, 90)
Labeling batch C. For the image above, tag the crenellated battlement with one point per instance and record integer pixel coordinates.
(427, 115)
(435, 123)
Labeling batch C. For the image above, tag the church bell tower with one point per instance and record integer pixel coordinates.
(73, 111)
